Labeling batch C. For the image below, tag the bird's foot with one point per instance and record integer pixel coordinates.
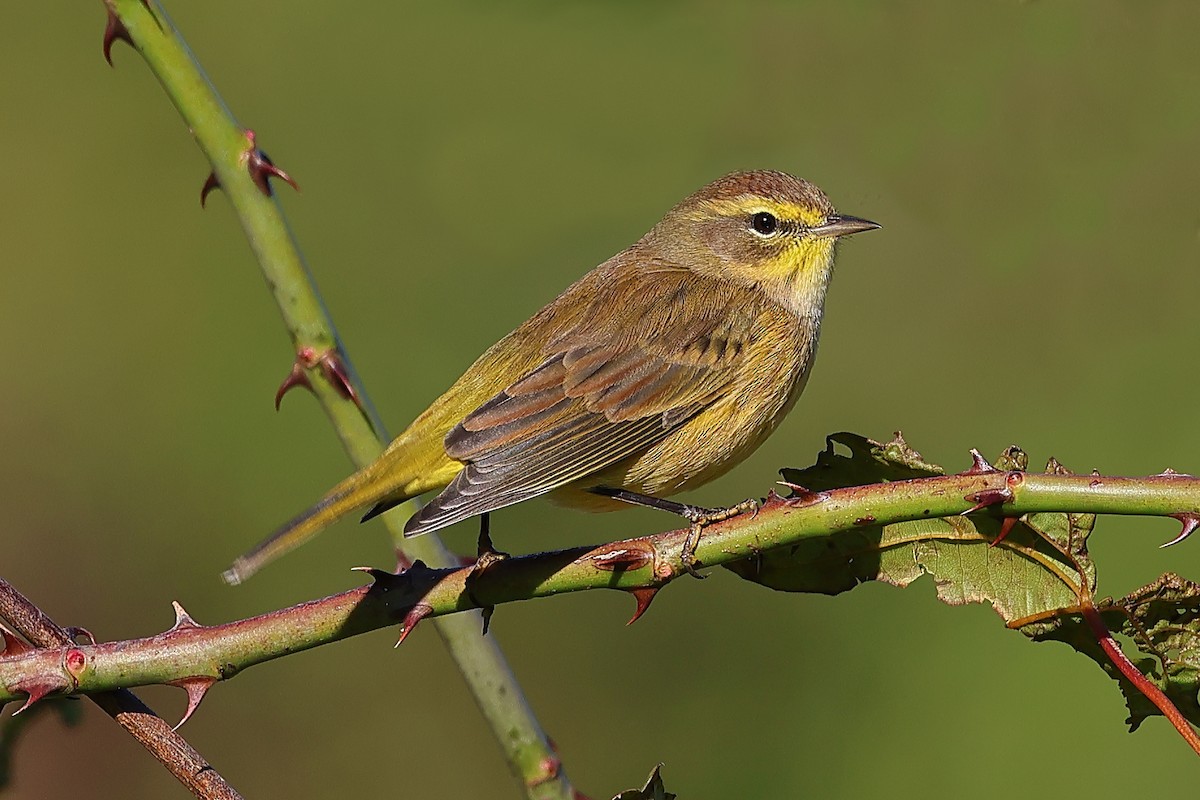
(701, 518)
(486, 556)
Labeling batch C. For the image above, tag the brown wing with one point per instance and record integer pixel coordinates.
(611, 387)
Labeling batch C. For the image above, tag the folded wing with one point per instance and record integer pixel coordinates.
(611, 387)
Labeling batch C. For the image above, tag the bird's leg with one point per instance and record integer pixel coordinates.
(699, 516)
(486, 555)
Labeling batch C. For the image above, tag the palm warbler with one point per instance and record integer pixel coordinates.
(654, 373)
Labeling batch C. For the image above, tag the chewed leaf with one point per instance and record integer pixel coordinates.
(1039, 578)
(1020, 579)
(868, 462)
(1162, 620)
(1027, 575)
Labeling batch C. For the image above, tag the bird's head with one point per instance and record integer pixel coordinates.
(761, 228)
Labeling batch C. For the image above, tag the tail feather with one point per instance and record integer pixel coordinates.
(367, 487)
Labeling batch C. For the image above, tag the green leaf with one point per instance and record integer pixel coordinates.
(1162, 620)
(1036, 579)
(1023, 577)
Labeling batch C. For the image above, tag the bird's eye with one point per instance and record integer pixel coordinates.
(764, 224)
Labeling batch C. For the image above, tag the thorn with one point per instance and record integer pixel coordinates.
(76, 633)
(988, 497)
(486, 612)
(210, 183)
(1005, 529)
(1055, 467)
(376, 574)
(800, 495)
(622, 559)
(114, 30)
(13, 644)
(772, 499)
(1190, 523)
(297, 377)
(334, 370)
(182, 619)
(979, 465)
(644, 596)
(415, 614)
(36, 689)
(196, 687)
(262, 169)
(1168, 472)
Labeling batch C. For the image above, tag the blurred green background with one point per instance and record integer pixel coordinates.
(1033, 165)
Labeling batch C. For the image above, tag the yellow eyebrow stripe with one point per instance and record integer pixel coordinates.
(751, 204)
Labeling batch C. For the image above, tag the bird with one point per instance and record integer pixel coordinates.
(654, 373)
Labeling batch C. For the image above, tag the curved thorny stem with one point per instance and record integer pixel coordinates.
(196, 656)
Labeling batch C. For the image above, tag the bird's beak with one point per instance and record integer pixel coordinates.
(842, 225)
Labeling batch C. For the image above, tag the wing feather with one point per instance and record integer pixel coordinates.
(612, 386)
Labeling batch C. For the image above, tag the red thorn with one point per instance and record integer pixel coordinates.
(36, 689)
(622, 559)
(13, 644)
(114, 30)
(415, 614)
(800, 495)
(297, 377)
(988, 497)
(644, 596)
(1190, 523)
(196, 687)
(403, 562)
(210, 183)
(262, 169)
(183, 619)
(979, 465)
(1005, 529)
(334, 370)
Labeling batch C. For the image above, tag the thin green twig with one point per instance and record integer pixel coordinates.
(230, 150)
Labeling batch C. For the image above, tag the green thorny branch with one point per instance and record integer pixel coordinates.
(1001, 534)
(881, 513)
(243, 172)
